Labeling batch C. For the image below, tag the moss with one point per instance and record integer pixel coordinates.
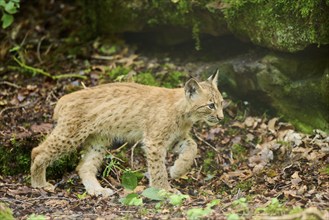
(281, 25)
(108, 16)
(5, 212)
(146, 78)
(15, 159)
(242, 186)
(173, 80)
(117, 73)
(238, 152)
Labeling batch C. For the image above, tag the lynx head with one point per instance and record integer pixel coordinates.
(205, 101)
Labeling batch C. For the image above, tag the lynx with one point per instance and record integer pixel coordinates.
(159, 117)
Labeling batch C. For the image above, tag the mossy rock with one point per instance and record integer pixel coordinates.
(280, 25)
(292, 87)
(288, 26)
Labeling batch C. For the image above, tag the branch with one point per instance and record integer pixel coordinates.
(32, 69)
(26, 68)
(304, 215)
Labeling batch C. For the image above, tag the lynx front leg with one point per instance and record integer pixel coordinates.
(156, 155)
(88, 167)
(187, 150)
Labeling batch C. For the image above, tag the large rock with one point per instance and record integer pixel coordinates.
(280, 25)
(296, 87)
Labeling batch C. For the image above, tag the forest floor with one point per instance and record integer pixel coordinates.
(248, 167)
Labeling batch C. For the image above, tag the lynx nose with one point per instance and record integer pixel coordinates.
(220, 117)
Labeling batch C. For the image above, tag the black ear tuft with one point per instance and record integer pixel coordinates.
(214, 77)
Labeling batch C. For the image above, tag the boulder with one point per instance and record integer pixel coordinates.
(287, 26)
(295, 87)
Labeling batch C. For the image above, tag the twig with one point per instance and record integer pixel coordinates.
(108, 182)
(14, 201)
(69, 75)
(10, 84)
(32, 69)
(203, 141)
(132, 155)
(83, 85)
(50, 197)
(18, 106)
(304, 215)
(100, 57)
(38, 48)
(119, 149)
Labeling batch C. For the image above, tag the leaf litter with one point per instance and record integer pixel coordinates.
(244, 163)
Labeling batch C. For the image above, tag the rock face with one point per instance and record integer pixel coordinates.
(287, 26)
(296, 87)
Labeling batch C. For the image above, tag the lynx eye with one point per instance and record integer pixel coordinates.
(211, 106)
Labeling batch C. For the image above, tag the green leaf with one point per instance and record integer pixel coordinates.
(213, 203)
(10, 8)
(129, 180)
(2, 3)
(132, 200)
(177, 199)
(153, 194)
(233, 216)
(197, 213)
(36, 217)
(7, 20)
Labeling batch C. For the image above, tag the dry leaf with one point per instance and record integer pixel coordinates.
(271, 125)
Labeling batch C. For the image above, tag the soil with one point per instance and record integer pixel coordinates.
(256, 166)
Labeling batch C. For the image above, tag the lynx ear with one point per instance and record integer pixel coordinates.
(214, 77)
(192, 88)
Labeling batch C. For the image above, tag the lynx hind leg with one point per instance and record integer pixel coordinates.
(187, 150)
(42, 156)
(88, 167)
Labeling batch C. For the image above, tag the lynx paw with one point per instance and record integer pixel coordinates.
(47, 186)
(105, 192)
(175, 173)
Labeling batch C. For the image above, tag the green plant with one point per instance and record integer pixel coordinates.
(196, 213)
(154, 194)
(238, 151)
(177, 199)
(233, 216)
(8, 9)
(82, 196)
(324, 170)
(130, 178)
(117, 73)
(132, 199)
(5, 212)
(146, 78)
(274, 208)
(173, 79)
(36, 217)
(114, 164)
(241, 205)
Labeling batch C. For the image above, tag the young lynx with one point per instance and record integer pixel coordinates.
(161, 118)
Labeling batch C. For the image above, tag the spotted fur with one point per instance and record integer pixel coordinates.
(158, 117)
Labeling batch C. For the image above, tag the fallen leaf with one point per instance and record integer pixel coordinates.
(271, 125)
(41, 128)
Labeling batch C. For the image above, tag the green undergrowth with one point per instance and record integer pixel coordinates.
(16, 159)
(169, 80)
